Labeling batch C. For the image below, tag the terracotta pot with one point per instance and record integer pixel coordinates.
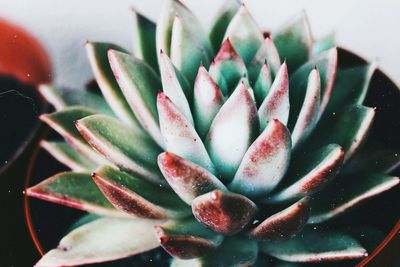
(48, 222)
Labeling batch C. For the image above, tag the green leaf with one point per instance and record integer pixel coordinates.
(68, 156)
(97, 54)
(267, 52)
(140, 84)
(245, 35)
(128, 149)
(76, 190)
(145, 39)
(232, 131)
(265, 162)
(314, 246)
(263, 84)
(353, 190)
(276, 104)
(351, 86)
(187, 179)
(325, 43)
(294, 41)
(138, 197)
(207, 101)
(187, 239)
(63, 123)
(62, 97)
(102, 240)
(310, 172)
(221, 22)
(227, 68)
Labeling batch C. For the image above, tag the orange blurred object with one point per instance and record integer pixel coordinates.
(22, 56)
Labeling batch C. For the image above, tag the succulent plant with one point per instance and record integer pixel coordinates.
(225, 150)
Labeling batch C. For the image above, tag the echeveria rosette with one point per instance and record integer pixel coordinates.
(221, 149)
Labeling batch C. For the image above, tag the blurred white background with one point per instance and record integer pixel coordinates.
(369, 27)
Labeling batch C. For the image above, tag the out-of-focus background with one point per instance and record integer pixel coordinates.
(369, 27)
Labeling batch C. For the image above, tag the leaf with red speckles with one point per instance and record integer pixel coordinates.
(265, 163)
(179, 135)
(187, 51)
(127, 148)
(187, 239)
(97, 54)
(145, 39)
(178, 93)
(263, 84)
(284, 224)
(314, 246)
(139, 84)
(76, 190)
(187, 179)
(326, 64)
(67, 155)
(266, 53)
(234, 251)
(138, 197)
(63, 123)
(223, 212)
(347, 192)
(232, 131)
(305, 119)
(102, 240)
(227, 68)
(276, 103)
(221, 22)
(293, 41)
(310, 172)
(207, 101)
(245, 35)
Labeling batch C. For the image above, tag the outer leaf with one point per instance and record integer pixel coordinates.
(172, 88)
(294, 41)
(187, 179)
(284, 224)
(222, 20)
(223, 212)
(138, 197)
(179, 135)
(187, 239)
(102, 240)
(263, 84)
(97, 54)
(68, 156)
(145, 39)
(63, 123)
(314, 246)
(208, 99)
(245, 34)
(76, 190)
(227, 68)
(122, 145)
(309, 173)
(276, 104)
(266, 52)
(329, 204)
(139, 83)
(265, 163)
(325, 43)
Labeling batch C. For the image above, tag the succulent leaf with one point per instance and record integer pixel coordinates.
(294, 41)
(105, 239)
(265, 162)
(262, 84)
(284, 224)
(140, 84)
(329, 204)
(76, 190)
(325, 43)
(314, 246)
(179, 135)
(267, 52)
(232, 131)
(187, 179)
(187, 239)
(276, 103)
(138, 197)
(223, 212)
